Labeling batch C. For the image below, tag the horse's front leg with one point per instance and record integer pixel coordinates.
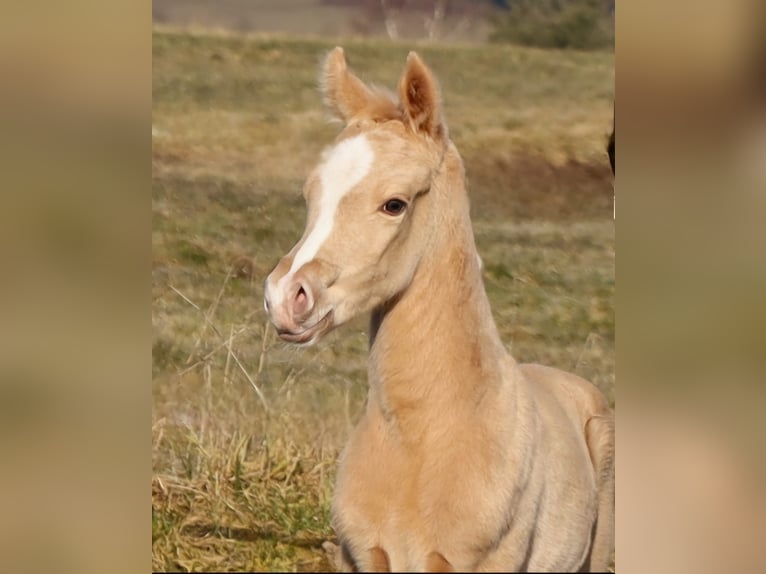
(436, 562)
(373, 560)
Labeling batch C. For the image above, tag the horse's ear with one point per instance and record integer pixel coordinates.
(344, 94)
(419, 94)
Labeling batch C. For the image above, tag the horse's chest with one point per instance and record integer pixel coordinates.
(398, 528)
(376, 506)
(402, 503)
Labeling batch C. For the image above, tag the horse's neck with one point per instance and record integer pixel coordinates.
(436, 348)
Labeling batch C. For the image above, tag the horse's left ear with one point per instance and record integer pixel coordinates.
(419, 94)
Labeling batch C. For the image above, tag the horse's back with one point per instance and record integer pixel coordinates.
(571, 408)
(580, 398)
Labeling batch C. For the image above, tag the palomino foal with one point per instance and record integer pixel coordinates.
(463, 459)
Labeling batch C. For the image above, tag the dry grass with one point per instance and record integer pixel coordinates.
(246, 429)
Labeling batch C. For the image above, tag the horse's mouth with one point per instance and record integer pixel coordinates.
(309, 334)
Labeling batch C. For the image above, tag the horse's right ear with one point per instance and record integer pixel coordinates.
(344, 94)
(419, 94)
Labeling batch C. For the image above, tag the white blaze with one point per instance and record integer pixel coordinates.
(345, 166)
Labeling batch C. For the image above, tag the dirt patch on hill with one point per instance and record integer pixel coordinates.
(526, 186)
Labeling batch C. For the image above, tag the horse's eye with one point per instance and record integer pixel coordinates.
(394, 206)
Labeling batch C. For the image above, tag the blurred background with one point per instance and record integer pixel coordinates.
(235, 123)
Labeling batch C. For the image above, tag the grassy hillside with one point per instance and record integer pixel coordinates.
(246, 429)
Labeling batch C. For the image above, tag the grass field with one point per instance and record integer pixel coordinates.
(246, 429)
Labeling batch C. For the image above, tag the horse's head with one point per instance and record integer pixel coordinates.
(369, 210)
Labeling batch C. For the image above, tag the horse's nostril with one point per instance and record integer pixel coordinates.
(301, 301)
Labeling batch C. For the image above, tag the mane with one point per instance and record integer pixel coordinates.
(380, 103)
(383, 105)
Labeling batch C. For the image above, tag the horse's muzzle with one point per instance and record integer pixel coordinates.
(291, 303)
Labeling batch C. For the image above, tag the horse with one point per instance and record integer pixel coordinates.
(463, 459)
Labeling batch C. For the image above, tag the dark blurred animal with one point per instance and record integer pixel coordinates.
(610, 148)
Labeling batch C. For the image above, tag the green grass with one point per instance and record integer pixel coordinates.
(247, 429)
